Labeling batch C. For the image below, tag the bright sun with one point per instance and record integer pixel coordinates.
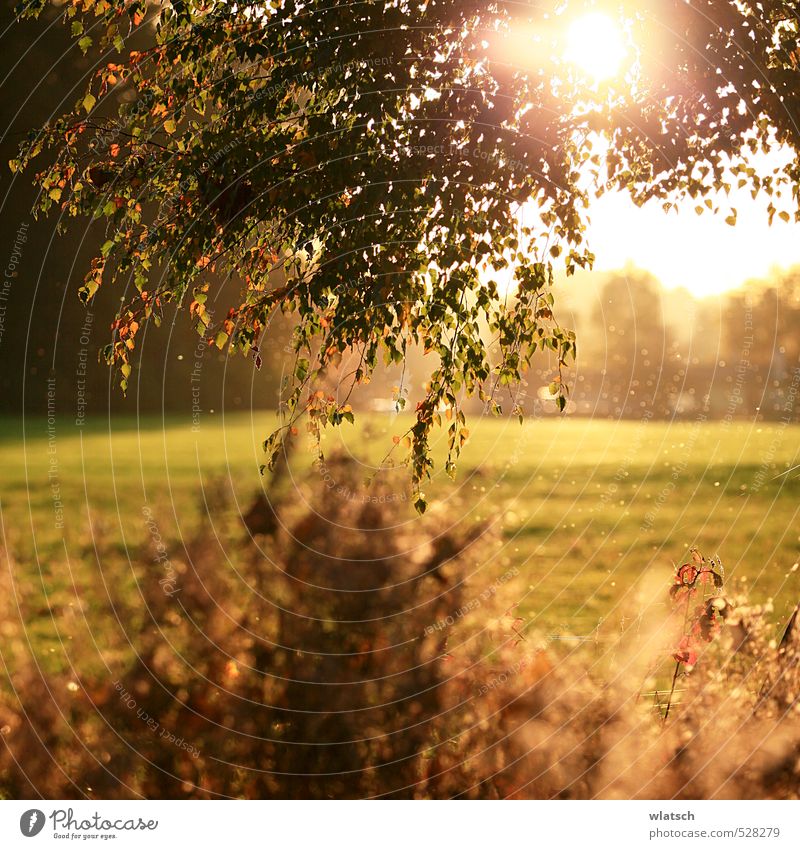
(595, 44)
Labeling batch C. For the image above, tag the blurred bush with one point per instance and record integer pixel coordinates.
(341, 647)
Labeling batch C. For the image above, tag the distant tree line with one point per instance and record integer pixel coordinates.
(735, 356)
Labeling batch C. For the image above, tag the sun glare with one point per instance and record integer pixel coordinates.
(595, 45)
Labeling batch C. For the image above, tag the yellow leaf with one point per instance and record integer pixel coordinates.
(89, 102)
(169, 126)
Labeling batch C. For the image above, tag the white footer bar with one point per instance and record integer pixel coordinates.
(402, 824)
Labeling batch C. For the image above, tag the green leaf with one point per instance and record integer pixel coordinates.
(88, 290)
(89, 102)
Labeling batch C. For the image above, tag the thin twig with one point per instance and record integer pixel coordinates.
(672, 690)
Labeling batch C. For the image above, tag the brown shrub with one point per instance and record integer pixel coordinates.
(343, 650)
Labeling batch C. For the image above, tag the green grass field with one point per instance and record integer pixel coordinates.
(586, 508)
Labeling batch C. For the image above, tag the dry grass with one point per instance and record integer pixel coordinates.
(341, 651)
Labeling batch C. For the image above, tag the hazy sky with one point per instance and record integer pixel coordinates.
(700, 252)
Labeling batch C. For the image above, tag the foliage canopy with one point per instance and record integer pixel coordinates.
(365, 166)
